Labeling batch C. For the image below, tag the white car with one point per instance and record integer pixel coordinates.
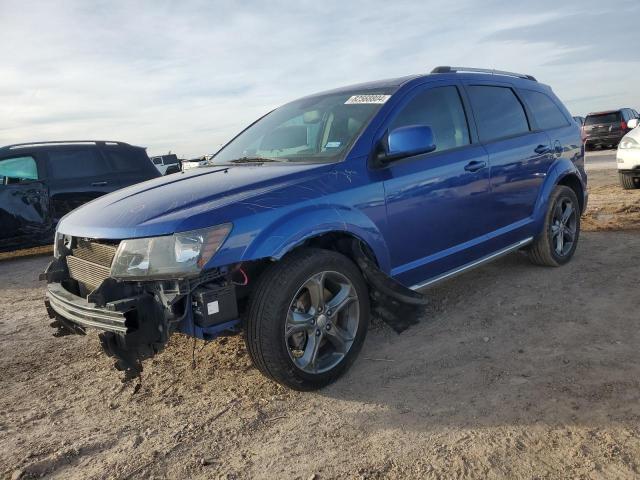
(166, 163)
(628, 157)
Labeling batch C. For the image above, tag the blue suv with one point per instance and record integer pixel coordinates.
(370, 192)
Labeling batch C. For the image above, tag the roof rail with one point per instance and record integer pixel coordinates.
(446, 69)
(16, 146)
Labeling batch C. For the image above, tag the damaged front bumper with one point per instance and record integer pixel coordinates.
(136, 319)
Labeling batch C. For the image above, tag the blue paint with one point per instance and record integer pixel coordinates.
(421, 216)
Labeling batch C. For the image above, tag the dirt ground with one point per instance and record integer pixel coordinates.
(514, 371)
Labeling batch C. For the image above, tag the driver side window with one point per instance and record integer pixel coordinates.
(441, 109)
(17, 170)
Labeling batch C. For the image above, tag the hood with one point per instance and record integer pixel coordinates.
(185, 201)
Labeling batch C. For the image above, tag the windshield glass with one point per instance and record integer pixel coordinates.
(314, 129)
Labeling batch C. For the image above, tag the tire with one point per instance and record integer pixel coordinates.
(547, 249)
(282, 302)
(627, 181)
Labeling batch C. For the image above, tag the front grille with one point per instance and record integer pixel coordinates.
(90, 262)
(98, 253)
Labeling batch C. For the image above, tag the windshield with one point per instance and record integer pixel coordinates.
(313, 129)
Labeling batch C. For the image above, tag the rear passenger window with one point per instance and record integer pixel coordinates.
(498, 112)
(76, 164)
(124, 161)
(441, 109)
(545, 111)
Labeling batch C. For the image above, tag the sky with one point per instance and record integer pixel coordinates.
(186, 76)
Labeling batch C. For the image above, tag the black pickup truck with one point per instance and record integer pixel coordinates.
(41, 182)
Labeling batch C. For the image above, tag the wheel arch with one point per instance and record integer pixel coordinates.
(572, 181)
(562, 172)
(332, 227)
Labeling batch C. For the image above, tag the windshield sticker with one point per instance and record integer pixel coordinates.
(333, 144)
(364, 99)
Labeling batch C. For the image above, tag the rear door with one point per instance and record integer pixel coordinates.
(519, 157)
(24, 212)
(76, 176)
(603, 126)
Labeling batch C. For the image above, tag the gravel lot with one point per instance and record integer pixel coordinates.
(514, 371)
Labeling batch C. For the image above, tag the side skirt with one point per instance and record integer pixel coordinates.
(457, 271)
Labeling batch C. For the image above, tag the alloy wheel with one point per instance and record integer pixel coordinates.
(563, 226)
(322, 322)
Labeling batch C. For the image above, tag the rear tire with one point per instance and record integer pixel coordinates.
(559, 238)
(628, 182)
(308, 318)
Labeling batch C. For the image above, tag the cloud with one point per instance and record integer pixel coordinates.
(186, 76)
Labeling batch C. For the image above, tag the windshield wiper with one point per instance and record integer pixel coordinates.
(256, 160)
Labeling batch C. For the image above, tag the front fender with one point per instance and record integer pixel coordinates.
(560, 169)
(296, 226)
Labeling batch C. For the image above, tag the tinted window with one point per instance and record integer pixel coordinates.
(602, 118)
(76, 164)
(157, 161)
(545, 111)
(18, 169)
(441, 109)
(498, 112)
(124, 160)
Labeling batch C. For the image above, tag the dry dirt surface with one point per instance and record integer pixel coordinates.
(514, 371)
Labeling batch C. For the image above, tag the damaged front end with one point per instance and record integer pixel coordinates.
(137, 316)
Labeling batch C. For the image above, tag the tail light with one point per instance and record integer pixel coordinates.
(623, 125)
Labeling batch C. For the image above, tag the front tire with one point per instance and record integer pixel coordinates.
(558, 241)
(308, 318)
(628, 182)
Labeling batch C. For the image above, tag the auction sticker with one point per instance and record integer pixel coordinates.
(364, 99)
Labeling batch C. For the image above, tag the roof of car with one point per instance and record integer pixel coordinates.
(440, 73)
(605, 112)
(65, 143)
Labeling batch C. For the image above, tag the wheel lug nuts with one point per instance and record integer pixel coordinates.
(329, 312)
(328, 326)
(318, 333)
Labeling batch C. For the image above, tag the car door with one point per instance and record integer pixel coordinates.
(519, 158)
(77, 175)
(24, 212)
(436, 202)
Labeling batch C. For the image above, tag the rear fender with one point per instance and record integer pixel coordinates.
(558, 171)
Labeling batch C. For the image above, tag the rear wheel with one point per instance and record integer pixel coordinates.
(308, 318)
(558, 241)
(628, 182)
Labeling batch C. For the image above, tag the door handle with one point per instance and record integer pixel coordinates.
(542, 149)
(475, 165)
(99, 184)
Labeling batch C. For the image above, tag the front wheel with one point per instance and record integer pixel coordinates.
(557, 243)
(308, 318)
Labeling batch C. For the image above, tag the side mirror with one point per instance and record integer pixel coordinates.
(633, 123)
(408, 141)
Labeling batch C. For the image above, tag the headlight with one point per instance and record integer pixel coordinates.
(168, 256)
(60, 242)
(628, 143)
